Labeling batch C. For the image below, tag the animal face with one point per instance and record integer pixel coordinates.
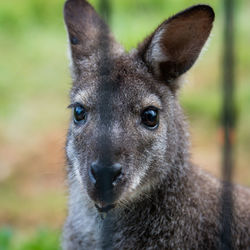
(127, 129)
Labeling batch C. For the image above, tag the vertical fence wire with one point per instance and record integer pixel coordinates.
(106, 89)
(228, 123)
(105, 9)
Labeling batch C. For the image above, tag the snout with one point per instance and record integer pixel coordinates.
(105, 179)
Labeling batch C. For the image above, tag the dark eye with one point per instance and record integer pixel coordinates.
(150, 117)
(80, 114)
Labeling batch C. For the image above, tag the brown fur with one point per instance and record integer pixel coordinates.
(160, 200)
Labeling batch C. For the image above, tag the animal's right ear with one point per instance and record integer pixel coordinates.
(87, 31)
(176, 44)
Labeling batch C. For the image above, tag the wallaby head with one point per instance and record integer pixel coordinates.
(127, 131)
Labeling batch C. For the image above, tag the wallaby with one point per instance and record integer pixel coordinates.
(128, 148)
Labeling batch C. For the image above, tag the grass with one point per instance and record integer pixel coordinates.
(34, 84)
(42, 239)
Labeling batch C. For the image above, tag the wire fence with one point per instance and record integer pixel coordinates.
(105, 90)
(228, 123)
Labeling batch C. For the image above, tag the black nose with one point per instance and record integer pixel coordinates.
(105, 176)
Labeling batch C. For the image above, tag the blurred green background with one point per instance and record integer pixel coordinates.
(34, 85)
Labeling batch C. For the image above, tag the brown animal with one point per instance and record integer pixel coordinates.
(127, 145)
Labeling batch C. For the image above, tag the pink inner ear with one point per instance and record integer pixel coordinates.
(176, 44)
(176, 41)
(185, 37)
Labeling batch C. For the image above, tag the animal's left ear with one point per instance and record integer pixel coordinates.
(176, 44)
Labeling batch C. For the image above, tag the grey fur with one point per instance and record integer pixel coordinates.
(163, 201)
